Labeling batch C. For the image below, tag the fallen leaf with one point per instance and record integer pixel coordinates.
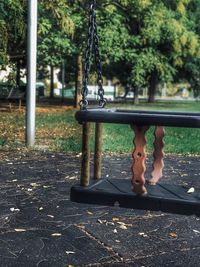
(101, 221)
(29, 189)
(72, 177)
(34, 184)
(115, 219)
(115, 231)
(196, 231)
(143, 234)
(20, 230)
(184, 174)
(41, 208)
(51, 216)
(121, 223)
(128, 224)
(191, 190)
(117, 241)
(110, 223)
(173, 235)
(46, 186)
(13, 209)
(89, 212)
(123, 227)
(69, 252)
(56, 234)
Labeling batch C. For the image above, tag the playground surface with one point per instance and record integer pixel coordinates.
(40, 226)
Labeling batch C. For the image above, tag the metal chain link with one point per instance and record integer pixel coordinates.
(102, 100)
(92, 46)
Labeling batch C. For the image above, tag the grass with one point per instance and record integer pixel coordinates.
(58, 131)
(187, 106)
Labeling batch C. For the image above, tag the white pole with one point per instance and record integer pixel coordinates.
(63, 79)
(31, 81)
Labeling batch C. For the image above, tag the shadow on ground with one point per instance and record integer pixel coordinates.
(41, 227)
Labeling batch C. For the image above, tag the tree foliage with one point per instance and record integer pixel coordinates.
(12, 28)
(143, 42)
(160, 39)
(55, 30)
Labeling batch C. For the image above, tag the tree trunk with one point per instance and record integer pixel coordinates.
(152, 87)
(136, 96)
(52, 82)
(79, 81)
(115, 91)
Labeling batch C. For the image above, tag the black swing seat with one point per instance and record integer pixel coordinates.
(140, 117)
(161, 197)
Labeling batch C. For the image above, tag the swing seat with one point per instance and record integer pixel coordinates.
(140, 117)
(118, 192)
(160, 197)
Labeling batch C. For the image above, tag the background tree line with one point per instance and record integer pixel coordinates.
(143, 42)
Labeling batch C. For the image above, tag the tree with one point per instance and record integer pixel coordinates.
(12, 35)
(142, 42)
(191, 70)
(12, 29)
(161, 39)
(55, 28)
(151, 39)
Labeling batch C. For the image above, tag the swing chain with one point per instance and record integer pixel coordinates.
(92, 46)
(102, 100)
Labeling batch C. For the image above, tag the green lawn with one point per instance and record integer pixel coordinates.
(59, 131)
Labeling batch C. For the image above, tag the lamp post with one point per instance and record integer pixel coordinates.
(31, 68)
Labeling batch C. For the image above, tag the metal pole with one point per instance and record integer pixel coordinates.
(31, 81)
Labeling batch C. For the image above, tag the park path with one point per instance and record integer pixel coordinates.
(40, 226)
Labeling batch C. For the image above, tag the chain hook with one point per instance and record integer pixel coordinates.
(92, 46)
